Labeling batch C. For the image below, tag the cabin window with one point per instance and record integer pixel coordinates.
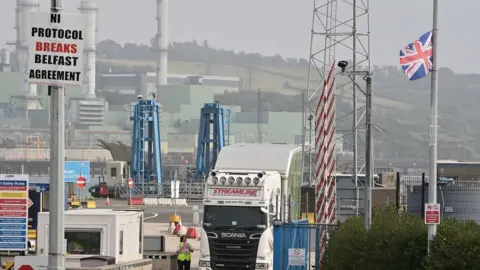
(140, 236)
(113, 172)
(271, 209)
(121, 243)
(83, 241)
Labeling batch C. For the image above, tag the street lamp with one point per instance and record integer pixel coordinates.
(369, 140)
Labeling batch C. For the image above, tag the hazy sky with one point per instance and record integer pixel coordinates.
(281, 26)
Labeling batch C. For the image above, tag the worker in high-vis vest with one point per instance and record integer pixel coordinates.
(184, 254)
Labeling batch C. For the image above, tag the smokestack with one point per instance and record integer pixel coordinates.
(5, 60)
(17, 28)
(89, 9)
(162, 43)
(24, 7)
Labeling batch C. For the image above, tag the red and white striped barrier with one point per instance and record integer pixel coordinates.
(136, 201)
(325, 184)
(176, 228)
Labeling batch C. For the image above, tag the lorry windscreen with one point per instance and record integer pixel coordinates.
(233, 216)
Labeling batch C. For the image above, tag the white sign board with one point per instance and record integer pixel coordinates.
(55, 49)
(296, 257)
(175, 189)
(13, 212)
(31, 262)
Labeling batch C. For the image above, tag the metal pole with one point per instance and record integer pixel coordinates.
(432, 178)
(130, 194)
(175, 197)
(354, 113)
(306, 204)
(303, 136)
(175, 194)
(368, 156)
(259, 115)
(56, 251)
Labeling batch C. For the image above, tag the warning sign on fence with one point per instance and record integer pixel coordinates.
(296, 256)
(432, 213)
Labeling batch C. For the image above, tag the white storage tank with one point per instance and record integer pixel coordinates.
(101, 232)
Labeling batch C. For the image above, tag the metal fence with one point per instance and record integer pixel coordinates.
(189, 191)
(459, 197)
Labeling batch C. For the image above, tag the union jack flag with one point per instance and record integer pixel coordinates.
(416, 58)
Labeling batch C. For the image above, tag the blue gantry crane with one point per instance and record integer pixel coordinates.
(146, 164)
(212, 134)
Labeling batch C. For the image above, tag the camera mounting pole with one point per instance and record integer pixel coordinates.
(339, 30)
(368, 140)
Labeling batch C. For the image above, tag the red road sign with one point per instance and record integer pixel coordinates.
(81, 182)
(432, 213)
(130, 182)
(30, 203)
(25, 267)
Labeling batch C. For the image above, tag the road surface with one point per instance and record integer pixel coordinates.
(155, 214)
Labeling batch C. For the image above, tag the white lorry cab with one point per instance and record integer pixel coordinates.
(242, 197)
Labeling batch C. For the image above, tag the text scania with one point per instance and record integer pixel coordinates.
(246, 192)
(233, 235)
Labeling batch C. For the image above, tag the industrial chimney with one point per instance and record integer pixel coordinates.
(162, 43)
(89, 111)
(5, 60)
(24, 7)
(89, 9)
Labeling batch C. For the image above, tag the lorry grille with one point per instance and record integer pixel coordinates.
(233, 254)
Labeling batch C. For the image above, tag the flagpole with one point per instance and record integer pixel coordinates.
(432, 178)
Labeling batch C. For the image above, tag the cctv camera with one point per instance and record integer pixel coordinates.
(139, 97)
(343, 65)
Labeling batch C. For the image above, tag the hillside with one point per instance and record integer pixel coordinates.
(401, 107)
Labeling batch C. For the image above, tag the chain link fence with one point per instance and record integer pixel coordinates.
(459, 197)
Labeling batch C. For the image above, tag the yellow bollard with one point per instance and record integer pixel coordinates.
(91, 204)
(9, 265)
(174, 218)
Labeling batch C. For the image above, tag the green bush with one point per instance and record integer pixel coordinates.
(347, 242)
(394, 242)
(399, 242)
(456, 246)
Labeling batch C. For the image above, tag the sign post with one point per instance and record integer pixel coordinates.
(56, 59)
(432, 214)
(130, 186)
(81, 183)
(13, 212)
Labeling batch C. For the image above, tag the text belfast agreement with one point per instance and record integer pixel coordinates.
(65, 54)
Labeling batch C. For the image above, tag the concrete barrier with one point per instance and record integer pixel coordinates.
(167, 261)
(196, 215)
(150, 201)
(157, 201)
(143, 264)
(164, 201)
(180, 202)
